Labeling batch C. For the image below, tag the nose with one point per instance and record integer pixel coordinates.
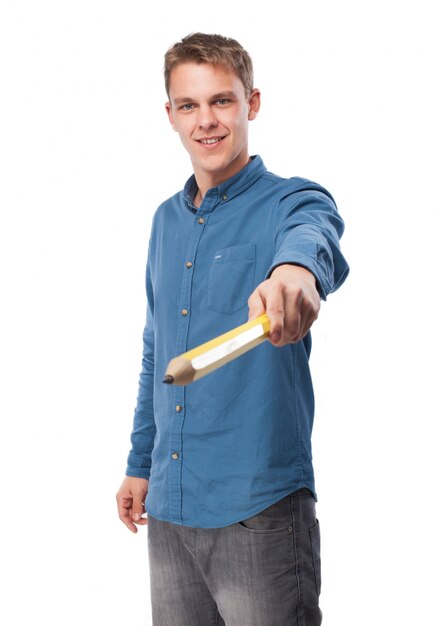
(207, 118)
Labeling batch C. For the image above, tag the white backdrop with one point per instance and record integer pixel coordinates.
(350, 99)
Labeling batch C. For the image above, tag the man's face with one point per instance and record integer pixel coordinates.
(209, 109)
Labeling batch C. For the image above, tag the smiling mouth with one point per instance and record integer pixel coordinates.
(210, 141)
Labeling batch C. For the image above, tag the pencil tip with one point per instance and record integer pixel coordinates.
(168, 379)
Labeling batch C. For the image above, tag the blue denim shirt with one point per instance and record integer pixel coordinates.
(234, 442)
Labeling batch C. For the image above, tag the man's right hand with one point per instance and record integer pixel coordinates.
(131, 502)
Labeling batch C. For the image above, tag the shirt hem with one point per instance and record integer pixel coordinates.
(240, 518)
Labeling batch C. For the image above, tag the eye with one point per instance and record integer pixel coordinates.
(223, 101)
(186, 107)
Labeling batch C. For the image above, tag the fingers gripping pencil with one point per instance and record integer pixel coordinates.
(206, 358)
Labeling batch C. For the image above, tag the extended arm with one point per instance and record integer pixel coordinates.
(307, 266)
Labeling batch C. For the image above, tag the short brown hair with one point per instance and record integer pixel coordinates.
(213, 49)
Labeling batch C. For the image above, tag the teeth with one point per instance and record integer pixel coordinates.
(209, 141)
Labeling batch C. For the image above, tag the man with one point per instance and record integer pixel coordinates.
(226, 461)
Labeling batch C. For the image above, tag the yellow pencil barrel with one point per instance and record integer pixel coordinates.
(207, 357)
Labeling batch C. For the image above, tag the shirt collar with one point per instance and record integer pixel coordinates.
(231, 187)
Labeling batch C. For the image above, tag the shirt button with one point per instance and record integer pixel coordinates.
(225, 197)
(175, 456)
(188, 264)
(179, 407)
(201, 220)
(184, 312)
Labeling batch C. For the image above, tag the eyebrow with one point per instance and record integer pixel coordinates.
(216, 96)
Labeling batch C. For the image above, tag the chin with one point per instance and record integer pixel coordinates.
(217, 162)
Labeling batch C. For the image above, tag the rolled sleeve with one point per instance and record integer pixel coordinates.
(307, 230)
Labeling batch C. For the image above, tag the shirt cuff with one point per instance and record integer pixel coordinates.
(322, 285)
(138, 465)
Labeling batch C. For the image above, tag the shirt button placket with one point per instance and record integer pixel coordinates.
(176, 435)
(176, 457)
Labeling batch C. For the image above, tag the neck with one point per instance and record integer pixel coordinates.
(206, 182)
(199, 198)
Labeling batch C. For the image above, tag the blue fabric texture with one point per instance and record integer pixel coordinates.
(238, 440)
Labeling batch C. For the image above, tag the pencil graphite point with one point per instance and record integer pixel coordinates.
(168, 380)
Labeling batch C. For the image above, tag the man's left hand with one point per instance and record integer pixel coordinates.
(291, 301)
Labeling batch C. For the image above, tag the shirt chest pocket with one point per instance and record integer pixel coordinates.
(231, 278)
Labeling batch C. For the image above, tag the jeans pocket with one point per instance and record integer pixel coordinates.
(231, 278)
(315, 543)
(276, 518)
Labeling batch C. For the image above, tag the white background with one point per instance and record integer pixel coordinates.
(350, 99)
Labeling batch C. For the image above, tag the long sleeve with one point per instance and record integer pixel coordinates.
(307, 230)
(144, 429)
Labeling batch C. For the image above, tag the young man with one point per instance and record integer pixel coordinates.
(226, 461)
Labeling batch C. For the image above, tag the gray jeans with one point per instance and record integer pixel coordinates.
(263, 571)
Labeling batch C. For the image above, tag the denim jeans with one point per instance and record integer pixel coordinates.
(263, 571)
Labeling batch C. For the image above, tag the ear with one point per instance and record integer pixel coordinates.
(254, 104)
(169, 111)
